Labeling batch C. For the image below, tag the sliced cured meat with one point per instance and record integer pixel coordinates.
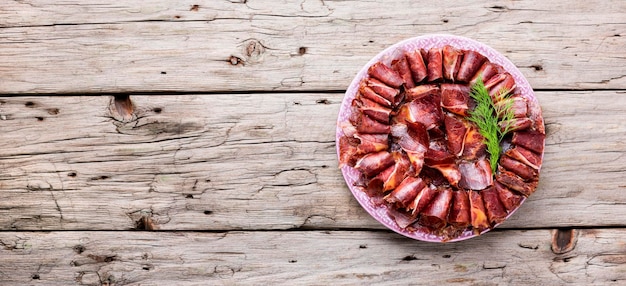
(403, 219)
(455, 98)
(519, 106)
(514, 182)
(377, 113)
(477, 212)
(485, 72)
(374, 163)
(525, 156)
(474, 146)
(471, 63)
(423, 198)
(424, 111)
(436, 213)
(443, 162)
(365, 92)
(406, 192)
(399, 171)
(518, 168)
(401, 66)
(531, 140)
(499, 83)
(382, 89)
(369, 143)
(417, 65)
(475, 175)
(385, 74)
(459, 215)
(451, 62)
(413, 139)
(509, 199)
(515, 124)
(375, 186)
(420, 91)
(455, 131)
(495, 211)
(366, 124)
(435, 65)
(347, 151)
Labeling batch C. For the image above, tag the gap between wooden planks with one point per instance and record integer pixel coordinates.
(596, 257)
(79, 46)
(249, 161)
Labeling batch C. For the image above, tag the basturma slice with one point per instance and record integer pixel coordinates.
(436, 213)
(460, 216)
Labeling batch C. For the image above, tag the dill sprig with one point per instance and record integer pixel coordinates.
(494, 120)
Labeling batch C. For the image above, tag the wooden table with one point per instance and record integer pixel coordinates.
(193, 143)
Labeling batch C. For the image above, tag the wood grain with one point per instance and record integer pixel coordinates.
(307, 258)
(90, 46)
(252, 161)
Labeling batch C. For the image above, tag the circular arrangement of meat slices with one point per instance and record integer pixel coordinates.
(409, 137)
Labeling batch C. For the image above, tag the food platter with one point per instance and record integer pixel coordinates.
(383, 212)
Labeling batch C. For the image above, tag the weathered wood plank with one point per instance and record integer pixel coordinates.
(308, 258)
(118, 46)
(232, 161)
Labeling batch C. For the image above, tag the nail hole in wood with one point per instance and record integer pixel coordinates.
(163, 72)
(53, 111)
(293, 261)
(563, 240)
(29, 104)
(39, 118)
(409, 258)
(537, 67)
(177, 16)
(446, 256)
(208, 212)
(157, 110)
(35, 277)
(124, 106)
(445, 20)
(71, 174)
(79, 248)
(302, 50)
(194, 8)
(362, 246)
(323, 101)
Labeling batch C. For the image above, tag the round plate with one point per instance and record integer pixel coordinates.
(379, 212)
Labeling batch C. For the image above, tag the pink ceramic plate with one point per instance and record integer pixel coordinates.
(379, 212)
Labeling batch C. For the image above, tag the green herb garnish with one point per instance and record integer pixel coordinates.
(494, 120)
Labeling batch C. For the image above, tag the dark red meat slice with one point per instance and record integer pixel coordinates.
(436, 213)
(443, 162)
(471, 63)
(474, 146)
(417, 65)
(347, 151)
(525, 156)
(510, 200)
(495, 211)
(413, 139)
(366, 124)
(385, 74)
(402, 218)
(399, 171)
(406, 192)
(366, 92)
(518, 168)
(519, 106)
(435, 65)
(424, 111)
(475, 175)
(456, 131)
(499, 83)
(477, 212)
(420, 91)
(460, 216)
(382, 89)
(423, 198)
(486, 71)
(514, 182)
(515, 124)
(369, 143)
(401, 66)
(379, 114)
(374, 163)
(455, 98)
(375, 186)
(451, 62)
(531, 140)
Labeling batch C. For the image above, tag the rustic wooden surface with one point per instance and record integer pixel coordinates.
(192, 143)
